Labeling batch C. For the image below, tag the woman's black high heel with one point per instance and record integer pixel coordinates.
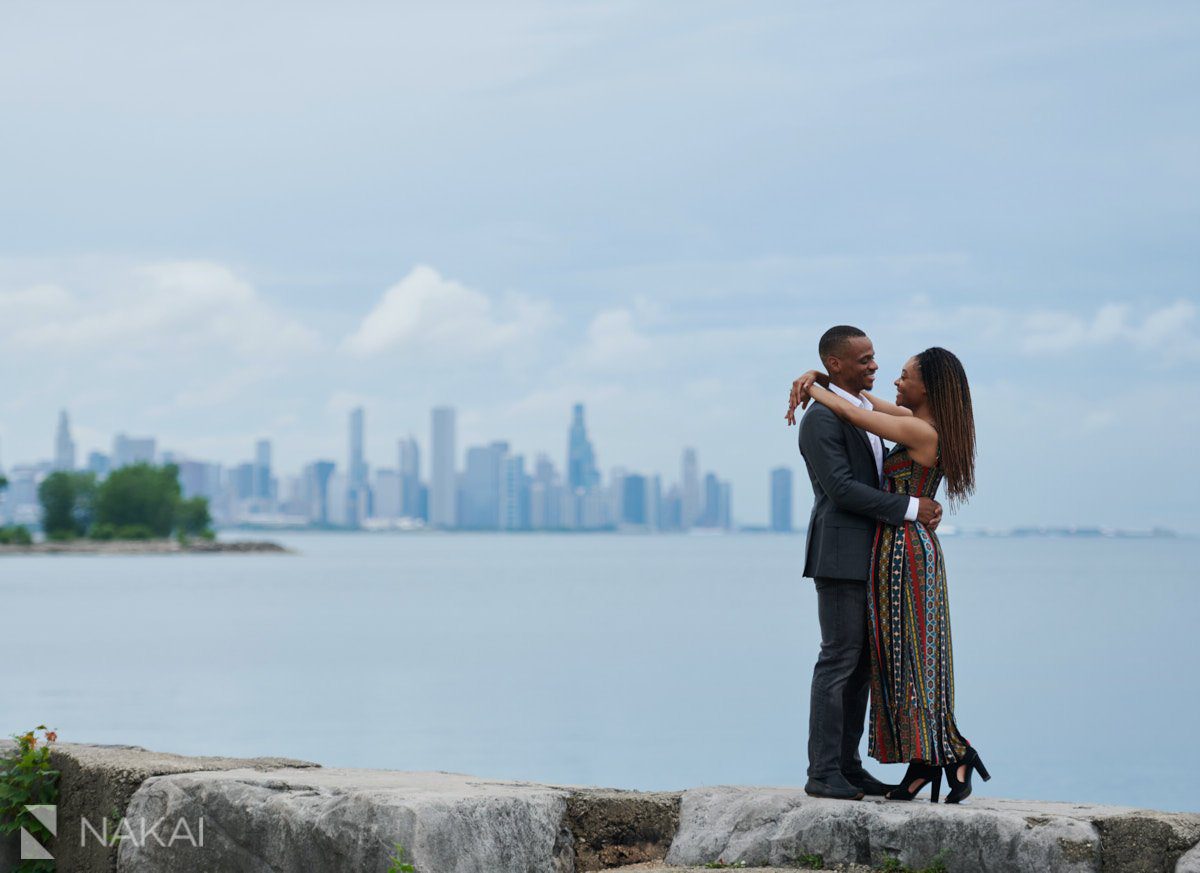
(918, 770)
(960, 791)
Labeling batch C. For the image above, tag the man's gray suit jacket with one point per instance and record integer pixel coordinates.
(847, 497)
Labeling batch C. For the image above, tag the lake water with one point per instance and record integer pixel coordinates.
(624, 661)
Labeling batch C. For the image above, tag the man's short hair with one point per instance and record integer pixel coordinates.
(834, 340)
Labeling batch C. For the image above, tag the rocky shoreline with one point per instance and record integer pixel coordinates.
(143, 547)
(280, 815)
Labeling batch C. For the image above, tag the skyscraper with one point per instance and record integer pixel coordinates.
(386, 493)
(262, 469)
(97, 462)
(514, 494)
(410, 477)
(442, 486)
(64, 446)
(711, 511)
(633, 500)
(689, 486)
(316, 486)
(132, 450)
(356, 476)
(725, 505)
(781, 499)
(581, 458)
(480, 507)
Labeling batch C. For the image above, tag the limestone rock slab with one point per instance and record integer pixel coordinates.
(332, 819)
(98, 781)
(775, 826)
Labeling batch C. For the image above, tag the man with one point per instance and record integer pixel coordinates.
(845, 465)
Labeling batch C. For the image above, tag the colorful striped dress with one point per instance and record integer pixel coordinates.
(912, 667)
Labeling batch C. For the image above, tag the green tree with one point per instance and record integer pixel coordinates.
(192, 517)
(66, 499)
(139, 496)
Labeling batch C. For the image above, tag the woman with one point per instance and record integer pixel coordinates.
(912, 668)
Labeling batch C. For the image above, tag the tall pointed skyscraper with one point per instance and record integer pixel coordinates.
(64, 446)
(581, 459)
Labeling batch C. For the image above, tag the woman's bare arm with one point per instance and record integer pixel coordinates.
(884, 406)
(911, 431)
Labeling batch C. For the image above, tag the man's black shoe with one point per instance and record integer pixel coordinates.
(834, 787)
(868, 784)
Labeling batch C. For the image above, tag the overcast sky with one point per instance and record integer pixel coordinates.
(221, 221)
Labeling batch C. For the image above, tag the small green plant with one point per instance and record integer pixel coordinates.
(813, 861)
(398, 864)
(28, 779)
(892, 864)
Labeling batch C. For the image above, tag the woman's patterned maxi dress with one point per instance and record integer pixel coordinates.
(912, 668)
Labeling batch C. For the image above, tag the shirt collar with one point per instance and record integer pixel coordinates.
(862, 402)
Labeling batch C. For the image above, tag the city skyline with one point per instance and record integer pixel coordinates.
(489, 490)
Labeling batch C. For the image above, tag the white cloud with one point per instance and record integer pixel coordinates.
(614, 343)
(21, 304)
(1169, 330)
(165, 308)
(428, 313)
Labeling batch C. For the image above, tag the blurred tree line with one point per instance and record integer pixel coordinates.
(137, 502)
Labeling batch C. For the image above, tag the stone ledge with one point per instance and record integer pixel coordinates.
(775, 826)
(273, 814)
(98, 782)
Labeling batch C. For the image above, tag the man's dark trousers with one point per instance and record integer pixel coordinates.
(841, 679)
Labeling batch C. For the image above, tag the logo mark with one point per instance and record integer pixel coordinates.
(31, 849)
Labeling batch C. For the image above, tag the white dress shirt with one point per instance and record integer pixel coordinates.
(876, 446)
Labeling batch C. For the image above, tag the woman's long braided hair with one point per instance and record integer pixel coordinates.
(950, 403)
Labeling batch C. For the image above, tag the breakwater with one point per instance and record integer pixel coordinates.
(131, 810)
(141, 547)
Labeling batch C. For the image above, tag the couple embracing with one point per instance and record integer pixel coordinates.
(874, 555)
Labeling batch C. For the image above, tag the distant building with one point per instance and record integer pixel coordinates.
(262, 470)
(654, 497)
(633, 501)
(98, 463)
(199, 479)
(336, 502)
(386, 494)
(515, 510)
(582, 472)
(670, 510)
(241, 480)
(64, 446)
(316, 489)
(689, 483)
(615, 494)
(443, 485)
(410, 478)
(132, 450)
(781, 499)
(357, 490)
(546, 496)
(479, 506)
(724, 506)
(710, 500)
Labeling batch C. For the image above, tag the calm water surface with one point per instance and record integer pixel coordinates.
(626, 661)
